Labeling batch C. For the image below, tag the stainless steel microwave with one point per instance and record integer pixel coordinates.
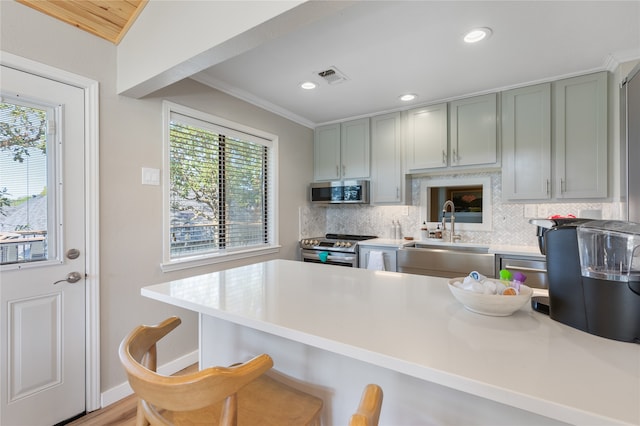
(340, 192)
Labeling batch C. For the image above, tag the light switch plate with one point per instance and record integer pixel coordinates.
(150, 176)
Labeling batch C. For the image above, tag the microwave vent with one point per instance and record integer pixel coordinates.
(332, 76)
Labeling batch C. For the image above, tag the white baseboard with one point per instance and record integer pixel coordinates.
(123, 390)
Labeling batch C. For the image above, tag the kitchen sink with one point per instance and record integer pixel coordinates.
(454, 247)
(448, 261)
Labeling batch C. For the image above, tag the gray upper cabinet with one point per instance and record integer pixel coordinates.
(473, 132)
(581, 136)
(342, 151)
(326, 152)
(426, 142)
(388, 182)
(526, 143)
(567, 118)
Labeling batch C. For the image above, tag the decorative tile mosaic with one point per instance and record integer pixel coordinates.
(509, 224)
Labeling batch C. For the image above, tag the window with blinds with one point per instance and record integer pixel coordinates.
(220, 190)
(25, 196)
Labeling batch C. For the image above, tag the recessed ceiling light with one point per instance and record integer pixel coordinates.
(408, 97)
(308, 85)
(477, 34)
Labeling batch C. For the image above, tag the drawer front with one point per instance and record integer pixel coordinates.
(534, 269)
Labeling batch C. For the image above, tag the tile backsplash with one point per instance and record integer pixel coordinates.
(509, 224)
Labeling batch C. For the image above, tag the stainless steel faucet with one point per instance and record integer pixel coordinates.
(452, 235)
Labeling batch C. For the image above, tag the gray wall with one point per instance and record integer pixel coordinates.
(130, 213)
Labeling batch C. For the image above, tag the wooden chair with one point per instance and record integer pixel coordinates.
(238, 395)
(368, 412)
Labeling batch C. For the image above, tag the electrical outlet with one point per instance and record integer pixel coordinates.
(543, 211)
(530, 211)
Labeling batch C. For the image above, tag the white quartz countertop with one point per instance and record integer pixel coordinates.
(412, 324)
(386, 242)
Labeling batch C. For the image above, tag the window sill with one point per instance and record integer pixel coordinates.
(194, 262)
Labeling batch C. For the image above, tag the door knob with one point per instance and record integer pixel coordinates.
(72, 277)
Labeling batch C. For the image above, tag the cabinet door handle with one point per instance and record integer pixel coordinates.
(444, 157)
(523, 268)
(548, 186)
(563, 186)
(337, 170)
(454, 157)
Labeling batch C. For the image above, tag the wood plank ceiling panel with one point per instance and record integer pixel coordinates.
(108, 19)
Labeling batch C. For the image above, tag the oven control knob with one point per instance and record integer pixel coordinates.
(347, 244)
(304, 242)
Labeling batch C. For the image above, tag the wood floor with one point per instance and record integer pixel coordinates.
(121, 413)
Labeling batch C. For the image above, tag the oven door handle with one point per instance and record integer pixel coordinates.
(343, 259)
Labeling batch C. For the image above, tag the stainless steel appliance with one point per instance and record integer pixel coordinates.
(332, 249)
(630, 149)
(594, 277)
(340, 192)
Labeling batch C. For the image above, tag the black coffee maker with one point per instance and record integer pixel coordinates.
(593, 269)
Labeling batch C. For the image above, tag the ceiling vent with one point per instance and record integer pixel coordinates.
(332, 76)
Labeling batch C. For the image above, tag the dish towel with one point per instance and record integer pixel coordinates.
(376, 261)
(323, 255)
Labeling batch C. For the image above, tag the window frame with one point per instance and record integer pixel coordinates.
(234, 129)
(54, 183)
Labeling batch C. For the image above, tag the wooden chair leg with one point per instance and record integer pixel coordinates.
(140, 419)
(229, 415)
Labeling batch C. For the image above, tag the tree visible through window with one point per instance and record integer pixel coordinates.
(23, 183)
(219, 188)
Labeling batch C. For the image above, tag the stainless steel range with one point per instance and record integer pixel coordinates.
(332, 249)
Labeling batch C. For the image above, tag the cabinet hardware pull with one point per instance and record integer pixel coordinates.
(523, 268)
(454, 157)
(444, 157)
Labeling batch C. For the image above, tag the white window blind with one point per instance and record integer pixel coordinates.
(220, 188)
(25, 195)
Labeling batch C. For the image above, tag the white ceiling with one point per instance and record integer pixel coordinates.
(387, 48)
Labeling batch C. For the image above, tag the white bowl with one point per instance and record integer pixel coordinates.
(490, 304)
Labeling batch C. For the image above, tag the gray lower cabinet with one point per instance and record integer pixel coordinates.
(389, 256)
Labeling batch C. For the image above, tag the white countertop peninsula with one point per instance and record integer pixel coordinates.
(341, 328)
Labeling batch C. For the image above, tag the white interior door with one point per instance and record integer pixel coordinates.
(42, 313)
